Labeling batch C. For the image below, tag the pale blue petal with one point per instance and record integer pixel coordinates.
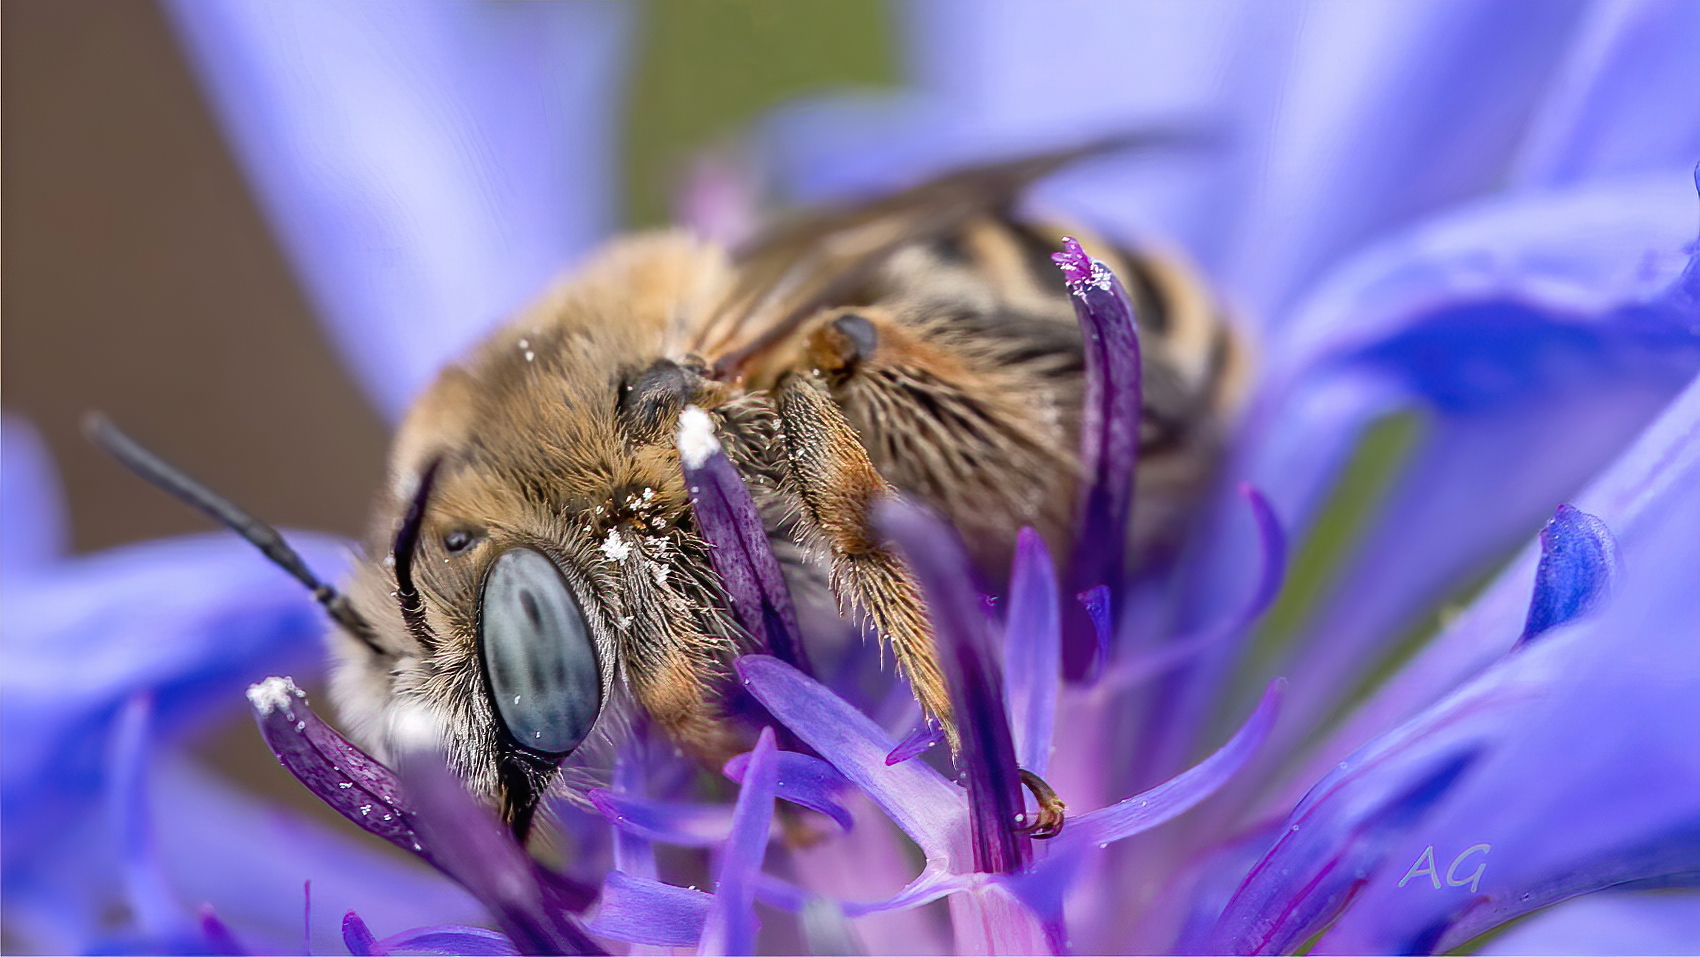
(1608, 923)
(33, 527)
(731, 924)
(1627, 99)
(646, 911)
(428, 167)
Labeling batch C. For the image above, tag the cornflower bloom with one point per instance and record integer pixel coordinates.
(1465, 238)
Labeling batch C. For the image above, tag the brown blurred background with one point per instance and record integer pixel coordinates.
(140, 278)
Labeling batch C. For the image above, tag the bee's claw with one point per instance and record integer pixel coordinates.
(1048, 823)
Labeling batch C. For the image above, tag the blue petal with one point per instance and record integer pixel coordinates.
(646, 911)
(1608, 923)
(924, 805)
(1627, 99)
(1578, 563)
(805, 780)
(428, 167)
(1625, 497)
(1532, 337)
(32, 512)
(731, 924)
(1032, 651)
(1600, 713)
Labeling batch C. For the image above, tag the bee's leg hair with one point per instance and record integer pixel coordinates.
(839, 486)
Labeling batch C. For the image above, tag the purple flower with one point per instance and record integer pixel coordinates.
(1462, 237)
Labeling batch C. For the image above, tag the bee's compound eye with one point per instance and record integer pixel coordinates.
(538, 654)
(459, 540)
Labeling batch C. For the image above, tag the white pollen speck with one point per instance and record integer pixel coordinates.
(615, 548)
(625, 622)
(272, 694)
(345, 785)
(365, 809)
(516, 699)
(696, 437)
(529, 355)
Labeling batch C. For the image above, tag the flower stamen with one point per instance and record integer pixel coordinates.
(1048, 823)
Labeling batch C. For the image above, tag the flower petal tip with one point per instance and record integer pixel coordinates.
(1073, 261)
(1579, 561)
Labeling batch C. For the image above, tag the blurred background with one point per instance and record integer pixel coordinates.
(141, 279)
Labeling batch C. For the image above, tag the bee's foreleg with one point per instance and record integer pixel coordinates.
(839, 486)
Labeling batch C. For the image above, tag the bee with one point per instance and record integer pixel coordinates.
(533, 559)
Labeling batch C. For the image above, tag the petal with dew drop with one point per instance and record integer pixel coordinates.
(731, 924)
(1578, 562)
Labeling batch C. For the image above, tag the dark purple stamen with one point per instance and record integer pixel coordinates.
(1109, 447)
(995, 796)
(728, 520)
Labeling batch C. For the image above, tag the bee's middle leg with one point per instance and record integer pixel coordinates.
(839, 487)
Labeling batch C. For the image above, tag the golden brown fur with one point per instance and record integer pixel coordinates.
(945, 364)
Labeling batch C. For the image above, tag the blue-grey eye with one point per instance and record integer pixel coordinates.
(538, 654)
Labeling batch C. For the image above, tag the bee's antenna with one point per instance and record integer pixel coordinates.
(144, 463)
(406, 543)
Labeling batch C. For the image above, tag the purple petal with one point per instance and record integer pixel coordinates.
(995, 794)
(1109, 443)
(1578, 563)
(351, 781)
(1181, 793)
(1318, 864)
(219, 938)
(1607, 923)
(926, 736)
(685, 825)
(633, 854)
(153, 907)
(731, 925)
(1272, 552)
(450, 939)
(924, 805)
(649, 912)
(727, 519)
(803, 779)
(428, 168)
(358, 938)
(467, 842)
(1032, 651)
(248, 858)
(31, 508)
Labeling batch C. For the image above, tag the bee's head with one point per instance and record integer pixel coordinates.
(532, 554)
